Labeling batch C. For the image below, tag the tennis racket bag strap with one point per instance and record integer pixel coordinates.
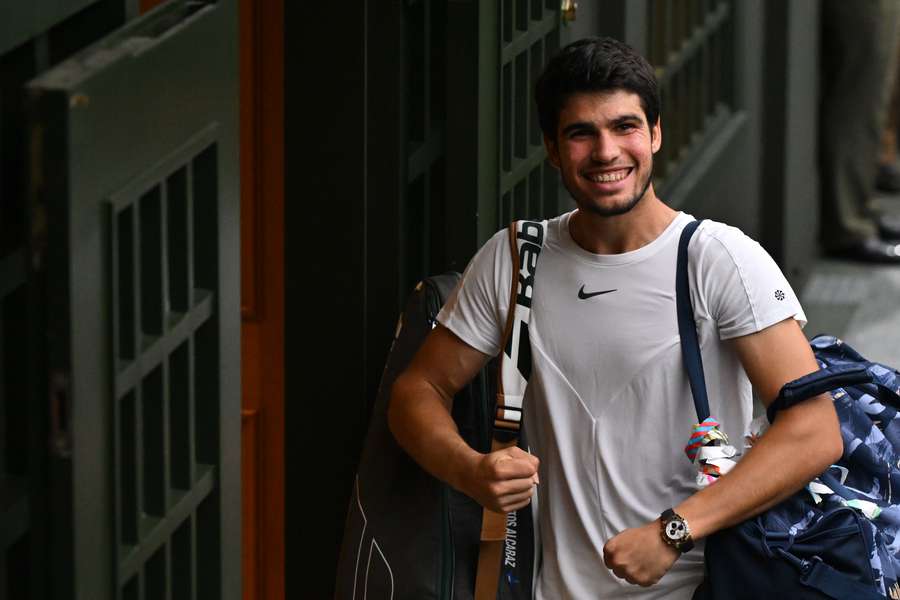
(506, 555)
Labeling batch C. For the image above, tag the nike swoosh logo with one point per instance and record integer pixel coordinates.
(583, 296)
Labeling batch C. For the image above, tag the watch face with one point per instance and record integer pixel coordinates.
(675, 530)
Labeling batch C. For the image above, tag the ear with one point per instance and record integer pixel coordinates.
(656, 137)
(552, 151)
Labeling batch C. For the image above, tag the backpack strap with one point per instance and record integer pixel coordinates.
(526, 238)
(817, 382)
(687, 327)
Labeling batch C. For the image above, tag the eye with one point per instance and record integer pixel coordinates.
(626, 126)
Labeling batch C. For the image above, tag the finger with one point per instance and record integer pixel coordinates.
(518, 506)
(517, 498)
(510, 487)
(517, 452)
(514, 468)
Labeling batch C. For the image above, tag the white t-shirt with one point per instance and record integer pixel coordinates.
(608, 406)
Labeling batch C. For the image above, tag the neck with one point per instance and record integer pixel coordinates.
(623, 233)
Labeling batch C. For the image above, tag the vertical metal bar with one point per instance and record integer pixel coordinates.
(192, 409)
(165, 464)
(164, 250)
(138, 460)
(189, 220)
(136, 279)
(506, 110)
(520, 106)
(118, 466)
(537, 62)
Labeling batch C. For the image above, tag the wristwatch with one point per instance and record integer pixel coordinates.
(675, 531)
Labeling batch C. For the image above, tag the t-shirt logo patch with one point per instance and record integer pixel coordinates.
(779, 295)
(582, 295)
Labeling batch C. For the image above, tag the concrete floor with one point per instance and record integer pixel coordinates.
(857, 302)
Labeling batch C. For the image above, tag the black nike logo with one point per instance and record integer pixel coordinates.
(583, 296)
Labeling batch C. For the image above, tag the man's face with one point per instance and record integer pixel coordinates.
(604, 150)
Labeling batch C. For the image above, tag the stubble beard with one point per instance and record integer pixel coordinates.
(612, 211)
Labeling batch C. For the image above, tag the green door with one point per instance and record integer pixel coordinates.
(135, 246)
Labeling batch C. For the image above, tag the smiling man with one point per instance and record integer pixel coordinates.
(608, 405)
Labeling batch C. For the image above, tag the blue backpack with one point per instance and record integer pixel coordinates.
(840, 536)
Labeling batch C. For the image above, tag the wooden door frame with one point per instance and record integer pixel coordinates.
(262, 295)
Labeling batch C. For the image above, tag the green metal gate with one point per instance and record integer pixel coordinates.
(495, 155)
(707, 59)
(134, 197)
(33, 35)
(529, 185)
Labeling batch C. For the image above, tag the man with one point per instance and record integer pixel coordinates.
(859, 63)
(609, 408)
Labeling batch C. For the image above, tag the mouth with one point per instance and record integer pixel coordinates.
(609, 176)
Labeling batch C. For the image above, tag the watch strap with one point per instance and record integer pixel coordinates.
(685, 545)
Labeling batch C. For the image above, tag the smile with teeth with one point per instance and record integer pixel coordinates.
(609, 176)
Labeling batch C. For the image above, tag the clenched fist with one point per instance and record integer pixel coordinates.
(639, 555)
(502, 481)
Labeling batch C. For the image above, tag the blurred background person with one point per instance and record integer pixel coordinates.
(859, 65)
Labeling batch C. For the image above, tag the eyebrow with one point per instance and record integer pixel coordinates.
(626, 119)
(579, 126)
(590, 126)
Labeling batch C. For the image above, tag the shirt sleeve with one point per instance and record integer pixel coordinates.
(476, 311)
(740, 287)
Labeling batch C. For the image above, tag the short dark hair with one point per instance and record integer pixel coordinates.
(594, 65)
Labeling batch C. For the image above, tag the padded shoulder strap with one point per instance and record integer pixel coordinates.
(526, 238)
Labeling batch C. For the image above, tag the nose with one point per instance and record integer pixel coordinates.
(605, 148)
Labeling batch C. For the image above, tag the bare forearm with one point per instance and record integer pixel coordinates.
(801, 443)
(419, 418)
